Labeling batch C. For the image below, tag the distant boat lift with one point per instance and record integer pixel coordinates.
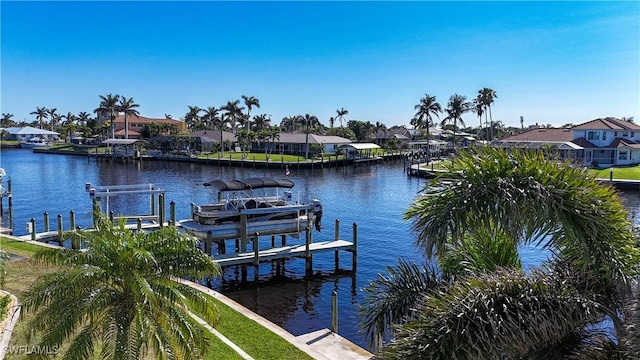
(99, 194)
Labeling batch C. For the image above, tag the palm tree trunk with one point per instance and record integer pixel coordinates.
(126, 127)
(491, 117)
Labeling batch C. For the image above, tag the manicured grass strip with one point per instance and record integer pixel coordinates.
(253, 338)
(626, 172)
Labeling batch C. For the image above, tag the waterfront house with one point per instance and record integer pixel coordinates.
(599, 142)
(28, 132)
(135, 124)
(208, 139)
(294, 143)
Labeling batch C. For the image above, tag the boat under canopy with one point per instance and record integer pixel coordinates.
(250, 184)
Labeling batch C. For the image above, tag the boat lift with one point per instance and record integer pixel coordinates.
(100, 194)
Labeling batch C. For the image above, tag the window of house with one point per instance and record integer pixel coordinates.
(625, 133)
(622, 155)
(615, 133)
(593, 135)
(632, 134)
(604, 135)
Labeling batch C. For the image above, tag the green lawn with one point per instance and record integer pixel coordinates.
(254, 339)
(625, 172)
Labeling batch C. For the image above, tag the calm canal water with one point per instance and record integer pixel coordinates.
(374, 197)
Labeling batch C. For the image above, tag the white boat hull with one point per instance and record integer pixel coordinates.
(233, 230)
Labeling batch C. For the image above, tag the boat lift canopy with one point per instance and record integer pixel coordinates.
(250, 184)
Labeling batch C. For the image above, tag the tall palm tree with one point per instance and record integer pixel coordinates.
(427, 108)
(478, 107)
(192, 118)
(219, 121)
(7, 120)
(54, 118)
(341, 113)
(69, 123)
(129, 108)
(233, 113)
(41, 114)
(83, 117)
(308, 123)
(481, 312)
(261, 121)
(119, 297)
(289, 123)
(211, 114)
(488, 96)
(456, 107)
(250, 102)
(109, 105)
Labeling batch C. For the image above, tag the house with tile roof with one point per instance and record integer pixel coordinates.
(294, 143)
(135, 124)
(602, 142)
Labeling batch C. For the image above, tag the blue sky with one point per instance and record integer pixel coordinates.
(551, 62)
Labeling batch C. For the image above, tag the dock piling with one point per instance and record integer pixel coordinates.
(72, 220)
(256, 250)
(172, 212)
(354, 263)
(336, 238)
(208, 243)
(46, 222)
(33, 229)
(60, 237)
(307, 253)
(334, 312)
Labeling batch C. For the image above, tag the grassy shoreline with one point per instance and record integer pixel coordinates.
(251, 337)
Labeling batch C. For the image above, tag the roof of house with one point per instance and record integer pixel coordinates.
(144, 119)
(213, 135)
(621, 143)
(543, 134)
(584, 143)
(392, 136)
(298, 138)
(130, 132)
(608, 123)
(361, 146)
(28, 130)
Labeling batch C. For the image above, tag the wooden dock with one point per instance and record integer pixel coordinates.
(282, 252)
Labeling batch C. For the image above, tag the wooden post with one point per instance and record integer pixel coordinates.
(75, 241)
(33, 229)
(161, 214)
(307, 251)
(208, 243)
(139, 224)
(222, 247)
(46, 222)
(334, 312)
(354, 263)
(283, 240)
(337, 252)
(60, 238)
(256, 250)
(237, 246)
(243, 233)
(96, 211)
(193, 207)
(172, 212)
(273, 241)
(72, 220)
(111, 216)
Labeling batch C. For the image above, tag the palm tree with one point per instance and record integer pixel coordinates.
(192, 118)
(128, 107)
(289, 123)
(54, 118)
(219, 121)
(41, 113)
(83, 117)
(119, 297)
(250, 101)
(478, 108)
(209, 117)
(488, 95)
(488, 307)
(456, 107)
(308, 123)
(7, 120)
(427, 107)
(233, 113)
(261, 121)
(272, 134)
(69, 124)
(341, 113)
(109, 105)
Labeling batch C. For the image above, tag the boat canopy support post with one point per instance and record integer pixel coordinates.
(208, 243)
(256, 250)
(307, 254)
